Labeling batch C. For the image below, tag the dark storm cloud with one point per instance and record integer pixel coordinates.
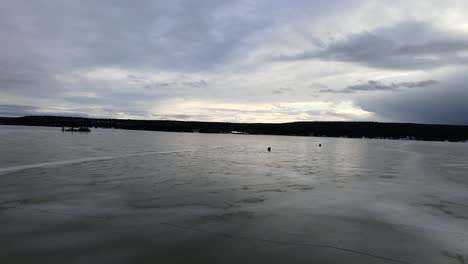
(443, 103)
(407, 45)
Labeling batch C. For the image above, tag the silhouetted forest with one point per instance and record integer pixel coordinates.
(323, 129)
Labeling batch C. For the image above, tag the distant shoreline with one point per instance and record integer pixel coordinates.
(374, 130)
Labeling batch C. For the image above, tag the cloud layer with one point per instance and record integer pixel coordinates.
(406, 45)
(373, 86)
(242, 61)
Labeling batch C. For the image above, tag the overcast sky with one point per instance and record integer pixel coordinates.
(236, 61)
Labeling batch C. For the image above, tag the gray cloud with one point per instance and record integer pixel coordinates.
(128, 59)
(378, 86)
(42, 40)
(416, 84)
(159, 85)
(282, 90)
(406, 45)
(332, 91)
(293, 114)
(372, 86)
(24, 110)
(182, 35)
(26, 80)
(17, 110)
(443, 103)
(316, 114)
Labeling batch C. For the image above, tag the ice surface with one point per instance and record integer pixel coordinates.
(114, 196)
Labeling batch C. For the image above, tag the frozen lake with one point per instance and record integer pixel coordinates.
(116, 196)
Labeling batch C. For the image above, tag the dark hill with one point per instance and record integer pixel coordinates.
(326, 129)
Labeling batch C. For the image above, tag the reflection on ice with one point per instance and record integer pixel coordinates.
(82, 160)
(226, 199)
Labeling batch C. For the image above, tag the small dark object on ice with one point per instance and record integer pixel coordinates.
(269, 149)
(72, 129)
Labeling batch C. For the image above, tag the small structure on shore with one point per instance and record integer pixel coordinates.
(238, 132)
(79, 129)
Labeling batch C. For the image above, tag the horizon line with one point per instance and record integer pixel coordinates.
(226, 122)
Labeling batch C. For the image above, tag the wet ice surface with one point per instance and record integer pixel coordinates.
(114, 196)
